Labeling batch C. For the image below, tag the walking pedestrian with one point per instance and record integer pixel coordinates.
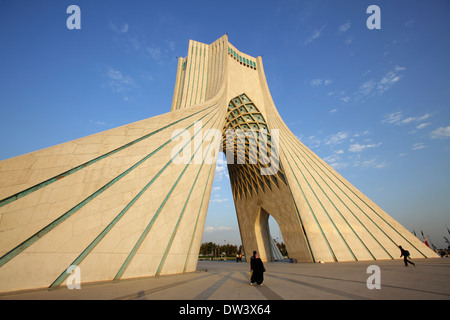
(405, 255)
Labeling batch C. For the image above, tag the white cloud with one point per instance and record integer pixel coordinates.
(344, 27)
(219, 200)
(335, 160)
(393, 118)
(311, 141)
(146, 77)
(367, 87)
(170, 44)
(155, 52)
(372, 88)
(336, 138)
(358, 134)
(372, 163)
(118, 82)
(440, 133)
(221, 168)
(316, 34)
(418, 146)
(97, 123)
(390, 79)
(332, 158)
(397, 119)
(342, 156)
(317, 82)
(416, 119)
(424, 117)
(134, 43)
(339, 165)
(119, 29)
(409, 24)
(210, 229)
(160, 53)
(408, 120)
(361, 147)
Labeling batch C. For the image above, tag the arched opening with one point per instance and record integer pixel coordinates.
(266, 230)
(277, 237)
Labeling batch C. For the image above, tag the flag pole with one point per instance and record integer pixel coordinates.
(424, 239)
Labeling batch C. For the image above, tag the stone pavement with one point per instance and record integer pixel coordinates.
(228, 280)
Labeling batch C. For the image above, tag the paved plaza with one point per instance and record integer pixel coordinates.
(229, 280)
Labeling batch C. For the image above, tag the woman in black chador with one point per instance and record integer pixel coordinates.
(257, 269)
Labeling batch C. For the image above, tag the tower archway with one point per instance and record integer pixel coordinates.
(258, 182)
(266, 245)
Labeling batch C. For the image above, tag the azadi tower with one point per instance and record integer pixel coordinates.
(132, 201)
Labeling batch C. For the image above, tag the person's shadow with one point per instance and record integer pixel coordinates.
(141, 296)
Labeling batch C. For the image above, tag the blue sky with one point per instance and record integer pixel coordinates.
(372, 103)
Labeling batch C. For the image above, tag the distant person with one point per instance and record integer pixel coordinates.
(257, 269)
(405, 255)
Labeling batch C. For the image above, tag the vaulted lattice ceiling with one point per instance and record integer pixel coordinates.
(251, 141)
